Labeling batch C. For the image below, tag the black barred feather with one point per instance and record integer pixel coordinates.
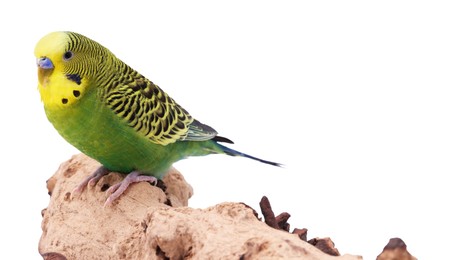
(141, 103)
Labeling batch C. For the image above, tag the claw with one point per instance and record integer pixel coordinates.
(116, 190)
(91, 180)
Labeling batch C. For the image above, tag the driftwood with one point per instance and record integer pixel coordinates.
(154, 222)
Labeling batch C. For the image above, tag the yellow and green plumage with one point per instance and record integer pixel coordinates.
(112, 113)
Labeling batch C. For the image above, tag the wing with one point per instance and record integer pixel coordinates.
(153, 114)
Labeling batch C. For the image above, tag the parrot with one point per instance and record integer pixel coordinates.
(115, 115)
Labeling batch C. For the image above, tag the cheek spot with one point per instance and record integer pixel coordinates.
(64, 100)
(76, 93)
(74, 77)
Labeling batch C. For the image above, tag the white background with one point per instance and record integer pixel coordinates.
(353, 97)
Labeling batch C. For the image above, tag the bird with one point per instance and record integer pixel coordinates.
(115, 115)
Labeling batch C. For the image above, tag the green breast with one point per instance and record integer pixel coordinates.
(95, 130)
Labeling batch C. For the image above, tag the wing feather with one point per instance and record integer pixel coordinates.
(153, 114)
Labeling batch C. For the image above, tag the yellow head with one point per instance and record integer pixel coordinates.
(67, 63)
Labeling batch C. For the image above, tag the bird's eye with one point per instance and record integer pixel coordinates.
(68, 55)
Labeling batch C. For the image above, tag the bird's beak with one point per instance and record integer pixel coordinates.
(45, 69)
(44, 63)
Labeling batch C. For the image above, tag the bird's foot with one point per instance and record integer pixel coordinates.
(91, 180)
(116, 190)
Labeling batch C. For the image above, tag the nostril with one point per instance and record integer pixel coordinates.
(45, 63)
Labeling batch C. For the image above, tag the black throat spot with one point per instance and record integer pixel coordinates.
(74, 77)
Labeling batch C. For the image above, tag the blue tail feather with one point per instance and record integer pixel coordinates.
(232, 152)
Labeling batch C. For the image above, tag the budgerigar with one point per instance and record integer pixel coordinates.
(115, 115)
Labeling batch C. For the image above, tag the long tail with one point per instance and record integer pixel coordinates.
(232, 152)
